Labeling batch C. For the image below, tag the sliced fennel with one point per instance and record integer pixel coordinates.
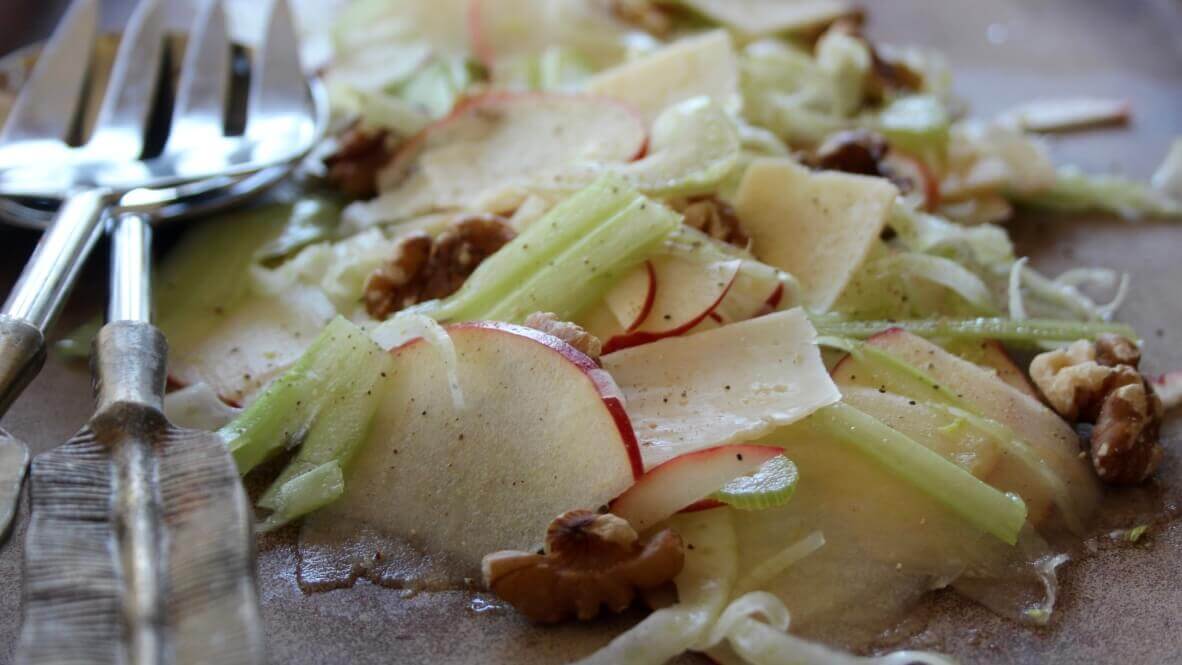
(993, 512)
(918, 124)
(771, 486)
(1075, 190)
(1030, 331)
(769, 568)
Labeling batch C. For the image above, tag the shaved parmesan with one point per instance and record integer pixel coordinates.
(728, 385)
(817, 226)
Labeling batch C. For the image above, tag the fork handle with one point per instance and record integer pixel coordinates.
(42, 288)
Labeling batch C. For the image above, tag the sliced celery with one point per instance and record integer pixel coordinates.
(339, 428)
(1027, 331)
(300, 495)
(771, 486)
(918, 124)
(565, 259)
(999, 514)
(288, 410)
(906, 379)
(585, 271)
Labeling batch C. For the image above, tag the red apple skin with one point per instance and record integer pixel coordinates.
(480, 46)
(597, 375)
(756, 453)
(649, 298)
(929, 185)
(773, 301)
(638, 337)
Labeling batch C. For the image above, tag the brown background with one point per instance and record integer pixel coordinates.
(1121, 604)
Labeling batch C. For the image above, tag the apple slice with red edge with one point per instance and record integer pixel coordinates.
(1169, 389)
(497, 139)
(685, 294)
(542, 430)
(992, 354)
(685, 480)
(631, 299)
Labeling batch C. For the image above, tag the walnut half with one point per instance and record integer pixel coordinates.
(570, 333)
(424, 268)
(590, 560)
(1099, 382)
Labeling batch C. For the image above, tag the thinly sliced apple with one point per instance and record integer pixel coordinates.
(499, 139)
(992, 354)
(251, 344)
(671, 486)
(702, 65)
(631, 299)
(542, 430)
(772, 17)
(723, 386)
(1051, 439)
(685, 295)
(817, 226)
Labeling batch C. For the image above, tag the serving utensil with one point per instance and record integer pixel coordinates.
(140, 543)
(284, 117)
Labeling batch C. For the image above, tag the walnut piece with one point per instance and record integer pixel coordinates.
(590, 560)
(354, 167)
(1125, 449)
(424, 268)
(714, 217)
(858, 151)
(570, 333)
(1099, 383)
(642, 14)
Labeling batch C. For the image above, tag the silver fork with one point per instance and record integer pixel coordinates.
(140, 548)
(285, 116)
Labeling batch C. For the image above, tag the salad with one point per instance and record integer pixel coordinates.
(705, 306)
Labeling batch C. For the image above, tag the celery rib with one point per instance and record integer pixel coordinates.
(1028, 331)
(999, 514)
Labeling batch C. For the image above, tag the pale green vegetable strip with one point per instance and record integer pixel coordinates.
(981, 505)
(918, 124)
(771, 485)
(770, 568)
(907, 379)
(526, 272)
(1075, 190)
(304, 493)
(583, 273)
(283, 415)
(1028, 331)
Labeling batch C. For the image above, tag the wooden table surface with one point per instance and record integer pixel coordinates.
(1120, 604)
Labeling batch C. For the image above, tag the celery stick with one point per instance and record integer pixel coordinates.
(1027, 331)
(581, 274)
(771, 486)
(906, 379)
(283, 415)
(531, 251)
(566, 259)
(1001, 515)
(304, 493)
(338, 429)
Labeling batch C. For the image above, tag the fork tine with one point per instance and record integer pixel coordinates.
(48, 102)
(123, 118)
(277, 85)
(199, 113)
